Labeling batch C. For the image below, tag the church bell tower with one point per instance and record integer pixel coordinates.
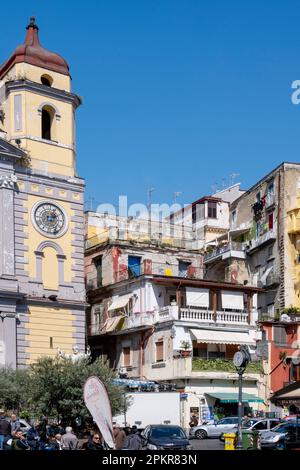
(42, 294)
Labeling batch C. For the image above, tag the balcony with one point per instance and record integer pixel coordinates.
(150, 268)
(272, 279)
(254, 244)
(203, 315)
(223, 365)
(137, 320)
(230, 250)
(294, 221)
(208, 316)
(142, 232)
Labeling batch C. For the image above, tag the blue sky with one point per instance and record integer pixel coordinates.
(178, 94)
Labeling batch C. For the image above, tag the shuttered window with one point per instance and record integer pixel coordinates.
(159, 351)
(279, 334)
(126, 357)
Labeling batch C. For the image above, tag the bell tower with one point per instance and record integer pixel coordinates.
(39, 105)
(42, 294)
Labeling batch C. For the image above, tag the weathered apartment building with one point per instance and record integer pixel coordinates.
(208, 216)
(154, 316)
(262, 246)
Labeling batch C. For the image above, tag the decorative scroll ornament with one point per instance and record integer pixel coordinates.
(8, 181)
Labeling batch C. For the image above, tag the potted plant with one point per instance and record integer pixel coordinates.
(185, 348)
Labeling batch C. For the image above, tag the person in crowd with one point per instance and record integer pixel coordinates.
(119, 437)
(69, 440)
(58, 437)
(133, 441)
(33, 438)
(15, 424)
(42, 426)
(52, 443)
(5, 428)
(94, 443)
(193, 421)
(19, 442)
(127, 430)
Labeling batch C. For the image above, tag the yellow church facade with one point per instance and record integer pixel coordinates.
(42, 294)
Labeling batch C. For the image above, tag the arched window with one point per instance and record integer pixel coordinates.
(47, 120)
(46, 80)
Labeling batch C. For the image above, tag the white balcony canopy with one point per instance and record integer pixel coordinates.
(232, 300)
(120, 302)
(197, 297)
(221, 337)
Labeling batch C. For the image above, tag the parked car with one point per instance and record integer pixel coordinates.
(164, 437)
(255, 424)
(284, 436)
(289, 417)
(214, 429)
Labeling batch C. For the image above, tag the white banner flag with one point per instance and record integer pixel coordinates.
(97, 402)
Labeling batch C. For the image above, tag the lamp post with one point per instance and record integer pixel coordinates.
(241, 360)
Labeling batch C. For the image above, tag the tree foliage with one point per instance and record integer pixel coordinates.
(54, 387)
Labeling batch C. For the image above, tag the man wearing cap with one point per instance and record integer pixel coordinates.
(5, 428)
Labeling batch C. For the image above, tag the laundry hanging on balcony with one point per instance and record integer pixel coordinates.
(197, 297)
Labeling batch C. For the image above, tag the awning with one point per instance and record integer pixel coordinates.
(234, 397)
(197, 297)
(221, 337)
(293, 394)
(240, 230)
(120, 302)
(113, 323)
(232, 300)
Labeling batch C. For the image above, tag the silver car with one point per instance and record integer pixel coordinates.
(256, 424)
(215, 429)
(284, 436)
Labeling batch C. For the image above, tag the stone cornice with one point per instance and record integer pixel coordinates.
(50, 92)
(75, 184)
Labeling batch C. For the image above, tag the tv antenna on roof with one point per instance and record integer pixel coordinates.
(233, 177)
(149, 192)
(214, 188)
(175, 195)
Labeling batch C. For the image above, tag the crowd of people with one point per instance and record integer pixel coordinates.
(44, 436)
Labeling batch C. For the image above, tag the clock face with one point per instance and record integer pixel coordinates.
(238, 359)
(49, 219)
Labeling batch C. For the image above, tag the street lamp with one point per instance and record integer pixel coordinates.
(241, 360)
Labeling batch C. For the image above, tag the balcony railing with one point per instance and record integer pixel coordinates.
(224, 316)
(221, 250)
(271, 279)
(148, 267)
(136, 320)
(254, 243)
(148, 232)
(223, 365)
(172, 312)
